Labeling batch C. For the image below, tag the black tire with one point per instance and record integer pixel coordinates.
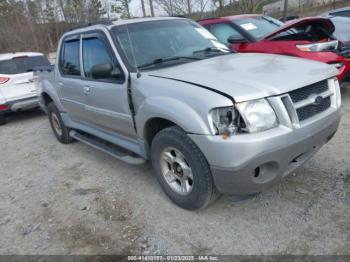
(55, 119)
(203, 190)
(2, 120)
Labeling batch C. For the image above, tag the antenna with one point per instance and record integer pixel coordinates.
(138, 75)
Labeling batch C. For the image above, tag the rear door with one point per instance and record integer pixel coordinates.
(69, 79)
(107, 103)
(17, 76)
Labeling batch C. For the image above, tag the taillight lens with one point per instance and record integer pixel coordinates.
(4, 107)
(3, 80)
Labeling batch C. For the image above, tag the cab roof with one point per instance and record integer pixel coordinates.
(109, 25)
(140, 20)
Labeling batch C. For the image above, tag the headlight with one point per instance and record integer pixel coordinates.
(319, 47)
(258, 115)
(225, 121)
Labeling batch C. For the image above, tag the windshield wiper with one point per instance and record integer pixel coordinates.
(213, 50)
(165, 60)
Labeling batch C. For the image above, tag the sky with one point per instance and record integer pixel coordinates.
(136, 9)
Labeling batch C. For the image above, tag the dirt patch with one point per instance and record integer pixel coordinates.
(79, 236)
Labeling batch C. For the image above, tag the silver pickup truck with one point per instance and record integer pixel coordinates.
(210, 121)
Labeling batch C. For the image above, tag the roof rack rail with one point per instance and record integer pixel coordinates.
(101, 22)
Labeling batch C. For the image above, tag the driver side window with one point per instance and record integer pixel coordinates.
(223, 32)
(95, 53)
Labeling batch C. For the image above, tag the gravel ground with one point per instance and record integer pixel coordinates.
(72, 199)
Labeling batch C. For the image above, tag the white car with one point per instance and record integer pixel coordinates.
(17, 90)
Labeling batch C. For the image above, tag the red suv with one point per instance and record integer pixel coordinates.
(310, 38)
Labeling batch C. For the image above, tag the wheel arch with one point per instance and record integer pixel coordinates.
(46, 99)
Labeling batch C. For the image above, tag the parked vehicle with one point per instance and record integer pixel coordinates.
(343, 12)
(309, 38)
(17, 90)
(341, 20)
(209, 120)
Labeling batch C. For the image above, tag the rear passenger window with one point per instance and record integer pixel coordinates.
(69, 63)
(95, 53)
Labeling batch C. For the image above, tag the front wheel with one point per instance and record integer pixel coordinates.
(59, 129)
(182, 170)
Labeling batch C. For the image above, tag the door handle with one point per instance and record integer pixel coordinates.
(87, 90)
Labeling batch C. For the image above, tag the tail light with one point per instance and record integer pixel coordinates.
(4, 107)
(3, 80)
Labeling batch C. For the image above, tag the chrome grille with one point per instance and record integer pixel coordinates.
(305, 92)
(311, 110)
(304, 99)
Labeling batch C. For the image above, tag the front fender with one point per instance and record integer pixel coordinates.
(173, 110)
(46, 87)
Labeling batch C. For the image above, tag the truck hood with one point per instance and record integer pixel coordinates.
(325, 23)
(249, 76)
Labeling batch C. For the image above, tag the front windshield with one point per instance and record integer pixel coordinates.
(258, 26)
(146, 42)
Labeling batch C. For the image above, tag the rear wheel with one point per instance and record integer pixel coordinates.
(59, 129)
(182, 170)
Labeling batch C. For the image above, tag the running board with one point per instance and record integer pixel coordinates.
(108, 148)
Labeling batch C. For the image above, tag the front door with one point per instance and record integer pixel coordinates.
(107, 105)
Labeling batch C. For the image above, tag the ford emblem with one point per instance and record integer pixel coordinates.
(318, 100)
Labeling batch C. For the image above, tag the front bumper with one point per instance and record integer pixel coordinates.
(246, 164)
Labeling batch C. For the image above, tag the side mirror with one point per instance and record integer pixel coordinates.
(117, 72)
(236, 39)
(105, 71)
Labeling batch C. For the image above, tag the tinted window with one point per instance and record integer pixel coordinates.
(223, 32)
(259, 26)
(19, 65)
(94, 53)
(69, 63)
